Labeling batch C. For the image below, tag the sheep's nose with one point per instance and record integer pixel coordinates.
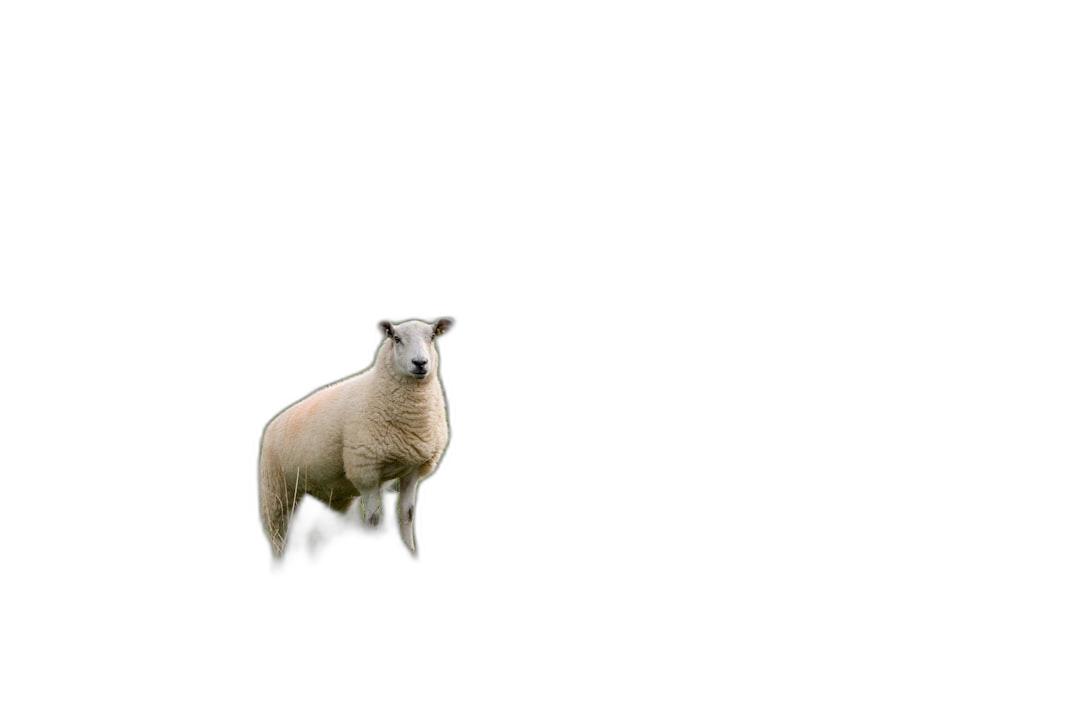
(421, 364)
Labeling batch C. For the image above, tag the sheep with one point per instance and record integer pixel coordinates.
(349, 438)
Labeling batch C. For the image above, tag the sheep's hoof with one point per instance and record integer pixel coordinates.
(375, 518)
(373, 525)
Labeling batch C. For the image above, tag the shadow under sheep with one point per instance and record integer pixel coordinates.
(321, 541)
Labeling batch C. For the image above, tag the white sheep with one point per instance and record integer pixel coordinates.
(348, 438)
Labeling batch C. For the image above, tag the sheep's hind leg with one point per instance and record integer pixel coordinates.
(278, 512)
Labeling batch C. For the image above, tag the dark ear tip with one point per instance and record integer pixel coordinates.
(442, 325)
(386, 327)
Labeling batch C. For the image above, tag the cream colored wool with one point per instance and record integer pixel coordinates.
(351, 437)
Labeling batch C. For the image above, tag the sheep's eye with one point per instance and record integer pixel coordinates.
(397, 339)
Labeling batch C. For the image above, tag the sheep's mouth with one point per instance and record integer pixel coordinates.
(419, 374)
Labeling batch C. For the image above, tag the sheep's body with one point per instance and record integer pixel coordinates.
(349, 438)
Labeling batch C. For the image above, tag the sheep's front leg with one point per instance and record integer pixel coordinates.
(407, 507)
(373, 508)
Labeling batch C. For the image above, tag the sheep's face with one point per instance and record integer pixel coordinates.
(413, 347)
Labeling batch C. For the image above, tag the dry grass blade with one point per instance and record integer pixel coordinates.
(295, 487)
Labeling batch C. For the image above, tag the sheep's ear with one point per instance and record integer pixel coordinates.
(387, 328)
(442, 325)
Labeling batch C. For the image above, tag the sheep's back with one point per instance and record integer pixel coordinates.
(307, 436)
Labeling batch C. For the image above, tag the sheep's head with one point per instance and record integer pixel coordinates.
(412, 345)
